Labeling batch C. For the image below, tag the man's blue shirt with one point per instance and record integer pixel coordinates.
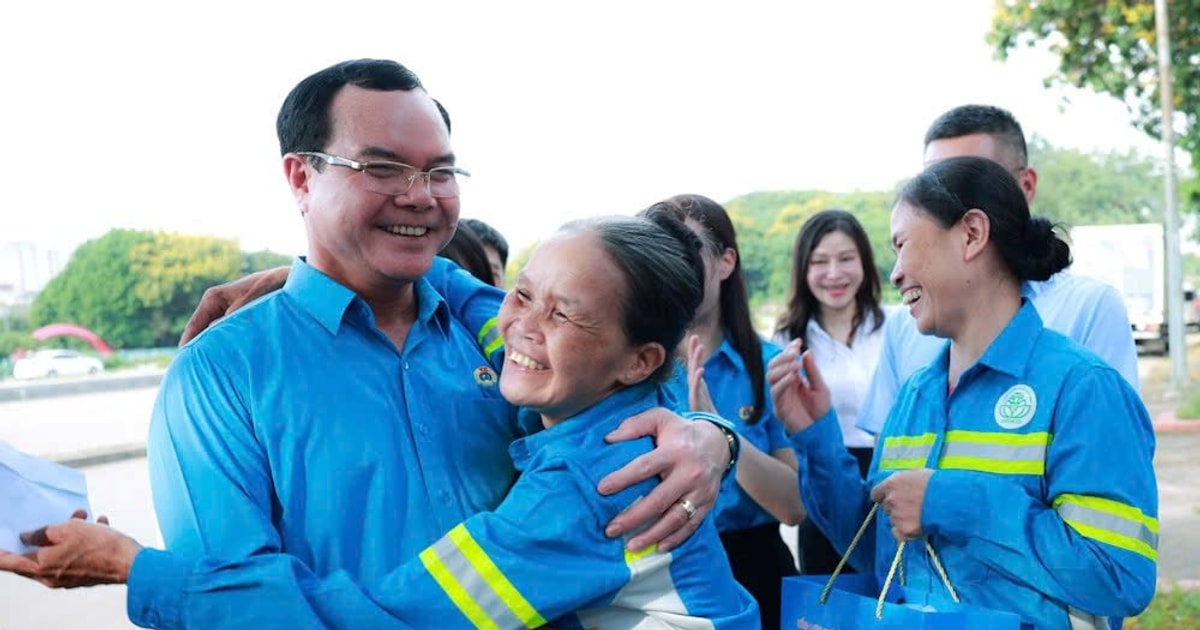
(729, 387)
(296, 426)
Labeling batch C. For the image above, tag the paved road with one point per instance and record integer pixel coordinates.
(121, 490)
(1177, 464)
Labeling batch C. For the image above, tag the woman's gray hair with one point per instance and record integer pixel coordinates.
(659, 258)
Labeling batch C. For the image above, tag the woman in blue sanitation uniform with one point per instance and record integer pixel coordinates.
(753, 502)
(590, 331)
(1021, 457)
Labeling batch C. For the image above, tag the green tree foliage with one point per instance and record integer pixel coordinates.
(10, 342)
(516, 262)
(137, 288)
(1078, 188)
(1110, 46)
(264, 259)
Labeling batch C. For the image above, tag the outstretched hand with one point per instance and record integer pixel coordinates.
(224, 299)
(691, 457)
(798, 392)
(73, 554)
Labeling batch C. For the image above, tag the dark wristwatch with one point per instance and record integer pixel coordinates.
(726, 427)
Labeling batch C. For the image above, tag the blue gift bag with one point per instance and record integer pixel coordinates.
(852, 601)
(849, 602)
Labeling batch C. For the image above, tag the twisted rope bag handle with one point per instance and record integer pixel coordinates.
(896, 564)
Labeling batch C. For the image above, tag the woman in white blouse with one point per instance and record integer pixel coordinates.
(834, 308)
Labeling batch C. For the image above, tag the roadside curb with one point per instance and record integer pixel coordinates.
(101, 455)
(16, 391)
(1166, 422)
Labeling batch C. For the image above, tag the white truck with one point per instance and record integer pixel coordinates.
(1132, 259)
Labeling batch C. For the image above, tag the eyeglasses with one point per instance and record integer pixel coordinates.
(395, 178)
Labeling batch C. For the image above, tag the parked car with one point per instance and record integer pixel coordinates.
(45, 363)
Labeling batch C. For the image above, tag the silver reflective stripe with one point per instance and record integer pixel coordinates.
(1032, 453)
(907, 452)
(473, 583)
(648, 601)
(1110, 522)
(904, 455)
(1086, 621)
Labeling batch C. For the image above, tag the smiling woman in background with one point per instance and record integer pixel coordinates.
(833, 308)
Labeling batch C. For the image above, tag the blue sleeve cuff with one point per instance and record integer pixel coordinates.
(951, 505)
(157, 583)
(821, 433)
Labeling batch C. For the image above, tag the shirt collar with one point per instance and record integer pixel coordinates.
(329, 301)
(1033, 289)
(602, 416)
(813, 329)
(1009, 352)
(727, 353)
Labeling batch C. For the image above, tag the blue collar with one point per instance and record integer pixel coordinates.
(602, 417)
(330, 302)
(727, 353)
(1009, 352)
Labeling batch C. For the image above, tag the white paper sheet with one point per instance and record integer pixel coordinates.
(35, 492)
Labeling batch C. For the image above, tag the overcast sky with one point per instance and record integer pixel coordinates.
(160, 115)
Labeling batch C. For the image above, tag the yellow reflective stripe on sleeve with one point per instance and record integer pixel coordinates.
(1111, 522)
(489, 337)
(1007, 439)
(999, 453)
(634, 556)
(925, 439)
(902, 452)
(982, 464)
(494, 577)
(455, 591)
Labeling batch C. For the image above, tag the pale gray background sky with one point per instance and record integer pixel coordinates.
(157, 115)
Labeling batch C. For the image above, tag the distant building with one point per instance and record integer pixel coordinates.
(8, 295)
(25, 269)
